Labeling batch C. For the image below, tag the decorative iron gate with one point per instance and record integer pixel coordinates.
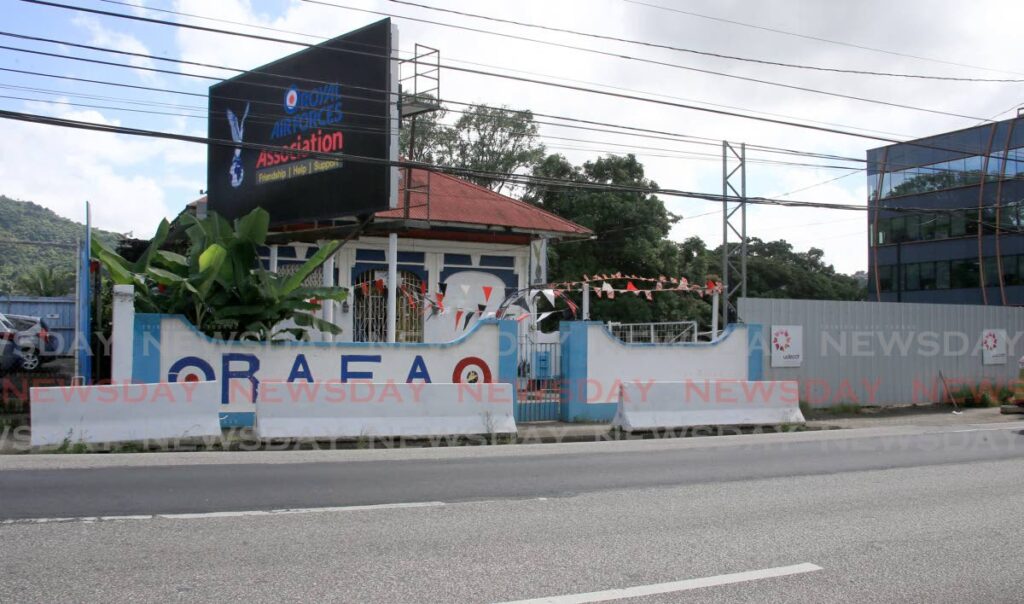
(538, 382)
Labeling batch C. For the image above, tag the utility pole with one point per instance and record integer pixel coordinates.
(734, 225)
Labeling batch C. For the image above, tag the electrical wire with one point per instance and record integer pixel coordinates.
(511, 177)
(700, 52)
(819, 39)
(512, 70)
(258, 117)
(516, 78)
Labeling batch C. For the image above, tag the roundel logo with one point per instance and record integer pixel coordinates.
(291, 99)
(990, 341)
(471, 370)
(781, 340)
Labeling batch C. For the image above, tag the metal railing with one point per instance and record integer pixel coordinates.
(672, 332)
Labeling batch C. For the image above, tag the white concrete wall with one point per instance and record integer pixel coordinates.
(124, 412)
(696, 402)
(439, 328)
(443, 327)
(366, 410)
(610, 363)
(187, 354)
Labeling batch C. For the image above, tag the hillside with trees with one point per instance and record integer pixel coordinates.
(43, 267)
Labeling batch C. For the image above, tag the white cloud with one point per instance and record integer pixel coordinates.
(62, 168)
(102, 36)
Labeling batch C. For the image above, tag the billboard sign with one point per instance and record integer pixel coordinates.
(335, 97)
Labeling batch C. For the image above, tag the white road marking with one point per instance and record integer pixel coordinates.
(1013, 427)
(664, 588)
(232, 514)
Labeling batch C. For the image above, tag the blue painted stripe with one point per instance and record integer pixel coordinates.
(371, 255)
(508, 355)
(498, 261)
(574, 370)
(381, 256)
(459, 259)
(755, 352)
(146, 349)
(245, 419)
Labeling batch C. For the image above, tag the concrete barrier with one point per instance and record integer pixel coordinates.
(355, 410)
(655, 405)
(124, 412)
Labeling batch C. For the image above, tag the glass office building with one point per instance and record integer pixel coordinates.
(946, 218)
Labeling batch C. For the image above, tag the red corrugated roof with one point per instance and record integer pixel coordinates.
(456, 201)
(453, 200)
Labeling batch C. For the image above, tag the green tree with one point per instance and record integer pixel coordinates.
(775, 270)
(483, 138)
(631, 236)
(219, 283)
(45, 281)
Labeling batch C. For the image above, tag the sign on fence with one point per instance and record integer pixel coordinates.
(787, 344)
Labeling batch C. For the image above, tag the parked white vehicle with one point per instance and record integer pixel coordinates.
(10, 354)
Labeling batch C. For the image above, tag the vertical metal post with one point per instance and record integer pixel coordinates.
(586, 301)
(743, 221)
(122, 329)
(327, 306)
(78, 310)
(714, 315)
(408, 170)
(392, 285)
(84, 352)
(734, 221)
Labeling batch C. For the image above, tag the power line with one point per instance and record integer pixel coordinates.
(700, 52)
(639, 150)
(600, 92)
(515, 78)
(618, 128)
(257, 115)
(639, 59)
(819, 39)
(710, 142)
(509, 69)
(815, 185)
(521, 179)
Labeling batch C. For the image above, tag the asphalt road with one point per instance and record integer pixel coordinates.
(931, 515)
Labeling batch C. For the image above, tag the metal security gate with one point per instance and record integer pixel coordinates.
(539, 382)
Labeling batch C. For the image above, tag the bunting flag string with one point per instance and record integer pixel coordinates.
(602, 288)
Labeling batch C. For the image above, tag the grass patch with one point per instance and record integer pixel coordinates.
(840, 409)
(983, 395)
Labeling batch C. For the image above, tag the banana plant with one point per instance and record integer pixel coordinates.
(220, 285)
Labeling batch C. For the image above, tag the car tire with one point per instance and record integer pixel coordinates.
(29, 359)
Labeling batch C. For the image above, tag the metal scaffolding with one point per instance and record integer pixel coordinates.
(734, 221)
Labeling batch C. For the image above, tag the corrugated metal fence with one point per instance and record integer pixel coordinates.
(59, 314)
(882, 353)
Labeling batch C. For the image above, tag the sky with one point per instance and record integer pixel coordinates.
(133, 182)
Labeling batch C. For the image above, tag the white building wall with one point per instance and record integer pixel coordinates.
(465, 280)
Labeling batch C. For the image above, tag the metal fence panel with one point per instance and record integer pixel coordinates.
(886, 353)
(539, 381)
(59, 314)
(673, 332)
